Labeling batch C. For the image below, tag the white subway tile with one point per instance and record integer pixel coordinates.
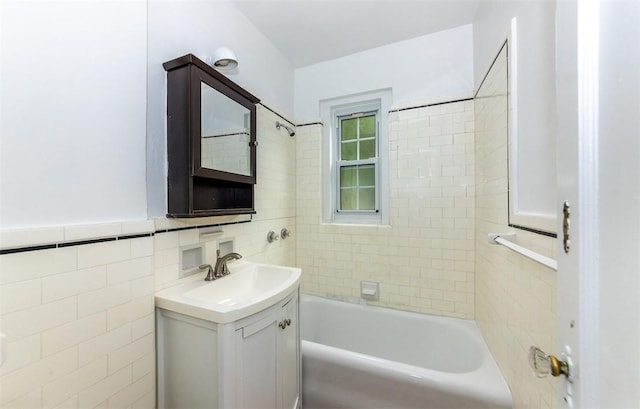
(103, 253)
(148, 401)
(73, 333)
(163, 241)
(129, 270)
(30, 400)
(34, 264)
(20, 353)
(131, 311)
(20, 295)
(141, 247)
(25, 380)
(129, 353)
(30, 237)
(59, 286)
(103, 299)
(141, 287)
(144, 365)
(104, 344)
(37, 319)
(142, 326)
(187, 237)
(101, 391)
(71, 403)
(132, 393)
(57, 392)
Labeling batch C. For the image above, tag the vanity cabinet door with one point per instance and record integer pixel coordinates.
(257, 364)
(268, 359)
(289, 356)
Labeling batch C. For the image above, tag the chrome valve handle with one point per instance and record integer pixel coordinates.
(272, 236)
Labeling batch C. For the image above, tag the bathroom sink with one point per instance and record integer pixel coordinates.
(250, 288)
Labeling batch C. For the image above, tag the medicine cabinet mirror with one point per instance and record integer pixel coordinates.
(225, 136)
(211, 141)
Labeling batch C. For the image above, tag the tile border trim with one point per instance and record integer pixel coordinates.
(431, 105)
(63, 244)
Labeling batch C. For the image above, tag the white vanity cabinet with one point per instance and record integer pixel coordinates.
(250, 363)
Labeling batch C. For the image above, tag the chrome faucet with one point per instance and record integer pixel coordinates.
(221, 269)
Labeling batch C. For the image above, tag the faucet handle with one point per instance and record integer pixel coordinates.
(210, 276)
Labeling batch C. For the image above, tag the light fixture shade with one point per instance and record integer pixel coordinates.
(224, 58)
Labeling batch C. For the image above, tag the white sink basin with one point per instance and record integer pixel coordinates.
(250, 288)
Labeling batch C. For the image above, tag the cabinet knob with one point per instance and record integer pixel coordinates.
(284, 324)
(253, 143)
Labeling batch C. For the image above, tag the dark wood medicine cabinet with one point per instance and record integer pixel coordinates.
(211, 141)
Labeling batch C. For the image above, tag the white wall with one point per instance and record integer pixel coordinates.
(73, 112)
(177, 28)
(436, 67)
(535, 91)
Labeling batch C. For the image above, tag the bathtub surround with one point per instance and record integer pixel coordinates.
(515, 296)
(424, 259)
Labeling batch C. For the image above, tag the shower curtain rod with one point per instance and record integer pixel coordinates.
(507, 241)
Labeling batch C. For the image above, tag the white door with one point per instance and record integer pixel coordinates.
(598, 68)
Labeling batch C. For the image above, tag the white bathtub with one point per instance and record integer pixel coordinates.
(357, 356)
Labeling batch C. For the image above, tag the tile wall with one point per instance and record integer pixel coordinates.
(80, 326)
(423, 260)
(515, 297)
(79, 319)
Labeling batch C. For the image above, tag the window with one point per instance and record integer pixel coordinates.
(357, 162)
(356, 148)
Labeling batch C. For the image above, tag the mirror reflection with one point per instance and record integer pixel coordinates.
(225, 136)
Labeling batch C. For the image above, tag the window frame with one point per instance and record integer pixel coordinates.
(332, 110)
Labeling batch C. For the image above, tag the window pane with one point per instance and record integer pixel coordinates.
(348, 177)
(357, 187)
(348, 199)
(349, 151)
(367, 198)
(367, 149)
(348, 129)
(368, 126)
(367, 175)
